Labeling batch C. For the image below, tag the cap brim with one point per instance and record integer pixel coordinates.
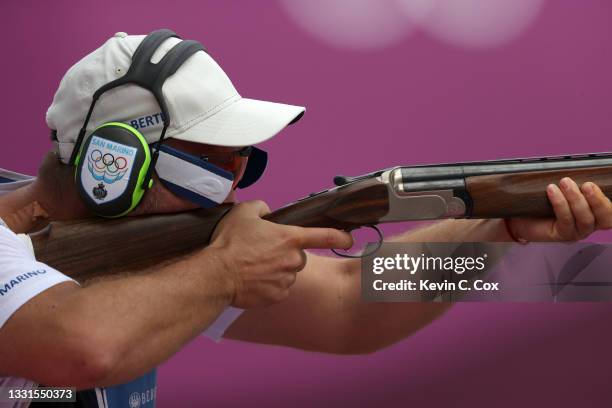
(243, 123)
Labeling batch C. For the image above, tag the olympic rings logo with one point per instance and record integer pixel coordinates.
(106, 167)
(107, 161)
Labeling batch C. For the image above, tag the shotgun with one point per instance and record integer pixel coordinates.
(91, 247)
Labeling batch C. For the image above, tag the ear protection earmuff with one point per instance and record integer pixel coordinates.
(114, 164)
(112, 169)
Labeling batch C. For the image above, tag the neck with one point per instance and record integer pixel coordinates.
(21, 211)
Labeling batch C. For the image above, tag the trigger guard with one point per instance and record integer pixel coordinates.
(366, 254)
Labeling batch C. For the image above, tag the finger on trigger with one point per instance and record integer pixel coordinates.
(326, 238)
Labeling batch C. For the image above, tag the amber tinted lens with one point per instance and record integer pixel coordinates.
(231, 162)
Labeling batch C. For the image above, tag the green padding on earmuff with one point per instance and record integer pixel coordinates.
(111, 168)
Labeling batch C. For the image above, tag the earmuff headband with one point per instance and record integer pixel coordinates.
(107, 189)
(150, 76)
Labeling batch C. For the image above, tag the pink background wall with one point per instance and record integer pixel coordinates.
(414, 100)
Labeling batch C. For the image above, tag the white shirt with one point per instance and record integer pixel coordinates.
(22, 278)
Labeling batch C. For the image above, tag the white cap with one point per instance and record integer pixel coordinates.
(203, 104)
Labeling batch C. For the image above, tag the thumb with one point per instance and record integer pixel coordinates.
(256, 207)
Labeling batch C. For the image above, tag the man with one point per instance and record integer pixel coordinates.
(210, 119)
(135, 321)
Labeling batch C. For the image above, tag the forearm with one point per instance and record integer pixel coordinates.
(326, 301)
(325, 313)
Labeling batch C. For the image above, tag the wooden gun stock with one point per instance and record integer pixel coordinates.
(91, 247)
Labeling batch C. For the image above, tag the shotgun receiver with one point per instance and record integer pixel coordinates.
(486, 189)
